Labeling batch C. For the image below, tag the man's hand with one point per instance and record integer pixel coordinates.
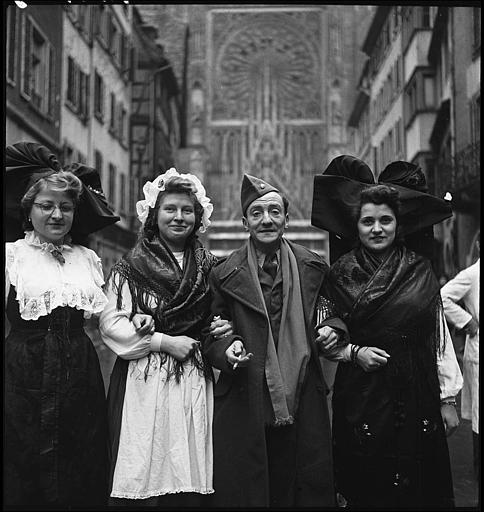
(236, 355)
(372, 358)
(144, 324)
(450, 418)
(327, 339)
(220, 328)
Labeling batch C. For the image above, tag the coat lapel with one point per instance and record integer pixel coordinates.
(236, 281)
(311, 275)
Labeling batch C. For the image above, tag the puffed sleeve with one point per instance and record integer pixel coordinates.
(119, 333)
(98, 298)
(96, 268)
(450, 376)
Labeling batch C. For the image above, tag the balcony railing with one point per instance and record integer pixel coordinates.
(457, 173)
(466, 167)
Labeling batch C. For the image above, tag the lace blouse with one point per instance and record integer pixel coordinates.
(43, 283)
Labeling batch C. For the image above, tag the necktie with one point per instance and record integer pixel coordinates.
(270, 265)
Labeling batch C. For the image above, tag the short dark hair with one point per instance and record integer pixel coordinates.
(175, 185)
(61, 181)
(380, 194)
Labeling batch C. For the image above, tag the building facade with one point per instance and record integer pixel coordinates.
(95, 109)
(155, 115)
(33, 74)
(454, 54)
(418, 99)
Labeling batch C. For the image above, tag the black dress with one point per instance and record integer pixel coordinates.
(390, 448)
(55, 443)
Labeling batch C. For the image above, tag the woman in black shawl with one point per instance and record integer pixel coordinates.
(393, 398)
(160, 401)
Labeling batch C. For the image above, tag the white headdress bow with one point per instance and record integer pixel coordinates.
(151, 189)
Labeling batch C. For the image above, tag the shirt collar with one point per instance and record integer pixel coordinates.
(262, 256)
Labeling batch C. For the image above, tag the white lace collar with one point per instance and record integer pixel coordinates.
(32, 238)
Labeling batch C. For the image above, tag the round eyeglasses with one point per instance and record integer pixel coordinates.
(48, 208)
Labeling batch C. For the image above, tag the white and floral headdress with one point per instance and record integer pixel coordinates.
(151, 189)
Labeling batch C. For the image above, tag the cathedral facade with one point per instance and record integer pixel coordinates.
(267, 91)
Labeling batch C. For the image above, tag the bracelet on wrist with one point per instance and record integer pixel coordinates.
(354, 353)
(355, 362)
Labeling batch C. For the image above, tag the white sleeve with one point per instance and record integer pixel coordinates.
(7, 286)
(452, 292)
(119, 333)
(450, 376)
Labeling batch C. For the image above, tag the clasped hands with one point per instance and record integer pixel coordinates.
(180, 347)
(369, 359)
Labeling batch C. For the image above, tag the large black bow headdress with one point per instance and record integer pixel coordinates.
(336, 196)
(26, 163)
(93, 211)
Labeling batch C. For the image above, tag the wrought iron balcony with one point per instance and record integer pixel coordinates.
(466, 169)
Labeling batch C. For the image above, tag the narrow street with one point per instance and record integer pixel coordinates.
(466, 487)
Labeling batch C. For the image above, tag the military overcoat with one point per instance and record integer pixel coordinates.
(240, 460)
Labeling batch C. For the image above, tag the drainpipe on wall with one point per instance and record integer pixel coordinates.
(90, 154)
(452, 82)
(456, 229)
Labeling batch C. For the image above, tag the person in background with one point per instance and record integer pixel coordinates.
(272, 440)
(160, 399)
(55, 445)
(463, 290)
(395, 386)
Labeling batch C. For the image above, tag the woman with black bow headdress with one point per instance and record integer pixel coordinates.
(55, 413)
(160, 398)
(395, 385)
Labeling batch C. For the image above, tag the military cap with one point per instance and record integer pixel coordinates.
(252, 189)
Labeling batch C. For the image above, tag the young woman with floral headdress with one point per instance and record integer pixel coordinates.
(160, 400)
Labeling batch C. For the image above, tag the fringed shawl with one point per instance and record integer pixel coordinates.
(177, 300)
(394, 302)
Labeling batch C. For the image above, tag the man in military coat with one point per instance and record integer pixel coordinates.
(271, 431)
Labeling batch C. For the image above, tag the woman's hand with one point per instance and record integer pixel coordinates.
(144, 324)
(471, 327)
(372, 358)
(220, 328)
(236, 355)
(327, 339)
(180, 347)
(450, 418)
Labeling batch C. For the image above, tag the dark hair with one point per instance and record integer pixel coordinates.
(176, 185)
(62, 181)
(380, 194)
